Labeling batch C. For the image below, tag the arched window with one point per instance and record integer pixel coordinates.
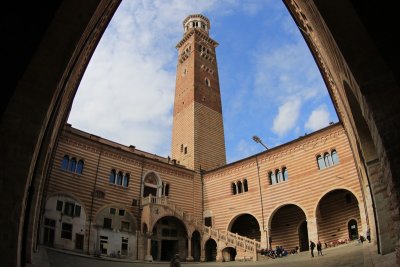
(79, 167)
(119, 178)
(234, 189)
(112, 177)
(240, 188)
(321, 162)
(245, 187)
(72, 165)
(335, 157)
(279, 176)
(207, 82)
(272, 178)
(328, 160)
(125, 180)
(285, 174)
(65, 162)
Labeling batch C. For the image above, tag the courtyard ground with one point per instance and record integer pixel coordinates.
(352, 254)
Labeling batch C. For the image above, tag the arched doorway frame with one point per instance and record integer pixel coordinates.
(232, 220)
(273, 213)
(157, 187)
(361, 204)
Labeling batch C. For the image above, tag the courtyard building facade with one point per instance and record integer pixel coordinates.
(104, 198)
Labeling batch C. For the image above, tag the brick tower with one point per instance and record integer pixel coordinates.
(198, 132)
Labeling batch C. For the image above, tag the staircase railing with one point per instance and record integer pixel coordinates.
(230, 238)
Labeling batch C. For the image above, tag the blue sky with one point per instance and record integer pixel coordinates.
(270, 84)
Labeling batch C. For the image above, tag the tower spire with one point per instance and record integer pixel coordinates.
(197, 132)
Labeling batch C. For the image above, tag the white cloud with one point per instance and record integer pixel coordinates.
(126, 94)
(318, 119)
(287, 117)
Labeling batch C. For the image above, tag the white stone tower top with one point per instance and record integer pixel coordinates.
(197, 21)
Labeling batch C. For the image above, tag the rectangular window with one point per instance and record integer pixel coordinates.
(50, 222)
(77, 211)
(135, 202)
(113, 210)
(69, 209)
(124, 246)
(59, 205)
(121, 212)
(107, 223)
(124, 226)
(99, 194)
(207, 221)
(66, 231)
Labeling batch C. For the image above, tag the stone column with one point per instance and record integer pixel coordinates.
(202, 251)
(219, 257)
(189, 256)
(312, 230)
(267, 236)
(148, 256)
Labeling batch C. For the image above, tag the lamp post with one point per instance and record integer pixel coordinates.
(258, 140)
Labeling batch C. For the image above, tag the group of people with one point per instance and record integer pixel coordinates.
(319, 248)
(280, 251)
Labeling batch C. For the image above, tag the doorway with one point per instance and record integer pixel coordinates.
(353, 229)
(303, 236)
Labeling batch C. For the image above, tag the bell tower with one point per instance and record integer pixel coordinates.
(198, 132)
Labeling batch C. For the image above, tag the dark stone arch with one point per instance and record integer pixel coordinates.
(196, 245)
(246, 225)
(32, 51)
(169, 238)
(210, 250)
(228, 254)
(285, 227)
(334, 211)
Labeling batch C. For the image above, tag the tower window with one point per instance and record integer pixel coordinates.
(207, 81)
(185, 150)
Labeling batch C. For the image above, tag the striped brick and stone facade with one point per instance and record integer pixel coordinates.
(106, 198)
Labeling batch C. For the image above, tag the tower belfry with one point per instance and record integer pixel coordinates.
(198, 132)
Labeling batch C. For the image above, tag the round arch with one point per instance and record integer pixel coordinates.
(151, 184)
(245, 224)
(330, 190)
(170, 236)
(334, 210)
(286, 227)
(102, 208)
(228, 254)
(70, 195)
(277, 207)
(210, 247)
(62, 73)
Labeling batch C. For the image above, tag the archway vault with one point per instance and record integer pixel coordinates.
(38, 68)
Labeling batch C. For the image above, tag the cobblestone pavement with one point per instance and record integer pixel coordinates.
(352, 254)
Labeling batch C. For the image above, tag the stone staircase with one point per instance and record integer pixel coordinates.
(246, 245)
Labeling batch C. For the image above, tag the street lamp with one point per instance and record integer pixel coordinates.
(258, 140)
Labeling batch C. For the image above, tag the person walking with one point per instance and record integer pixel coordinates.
(369, 235)
(175, 261)
(319, 248)
(312, 246)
